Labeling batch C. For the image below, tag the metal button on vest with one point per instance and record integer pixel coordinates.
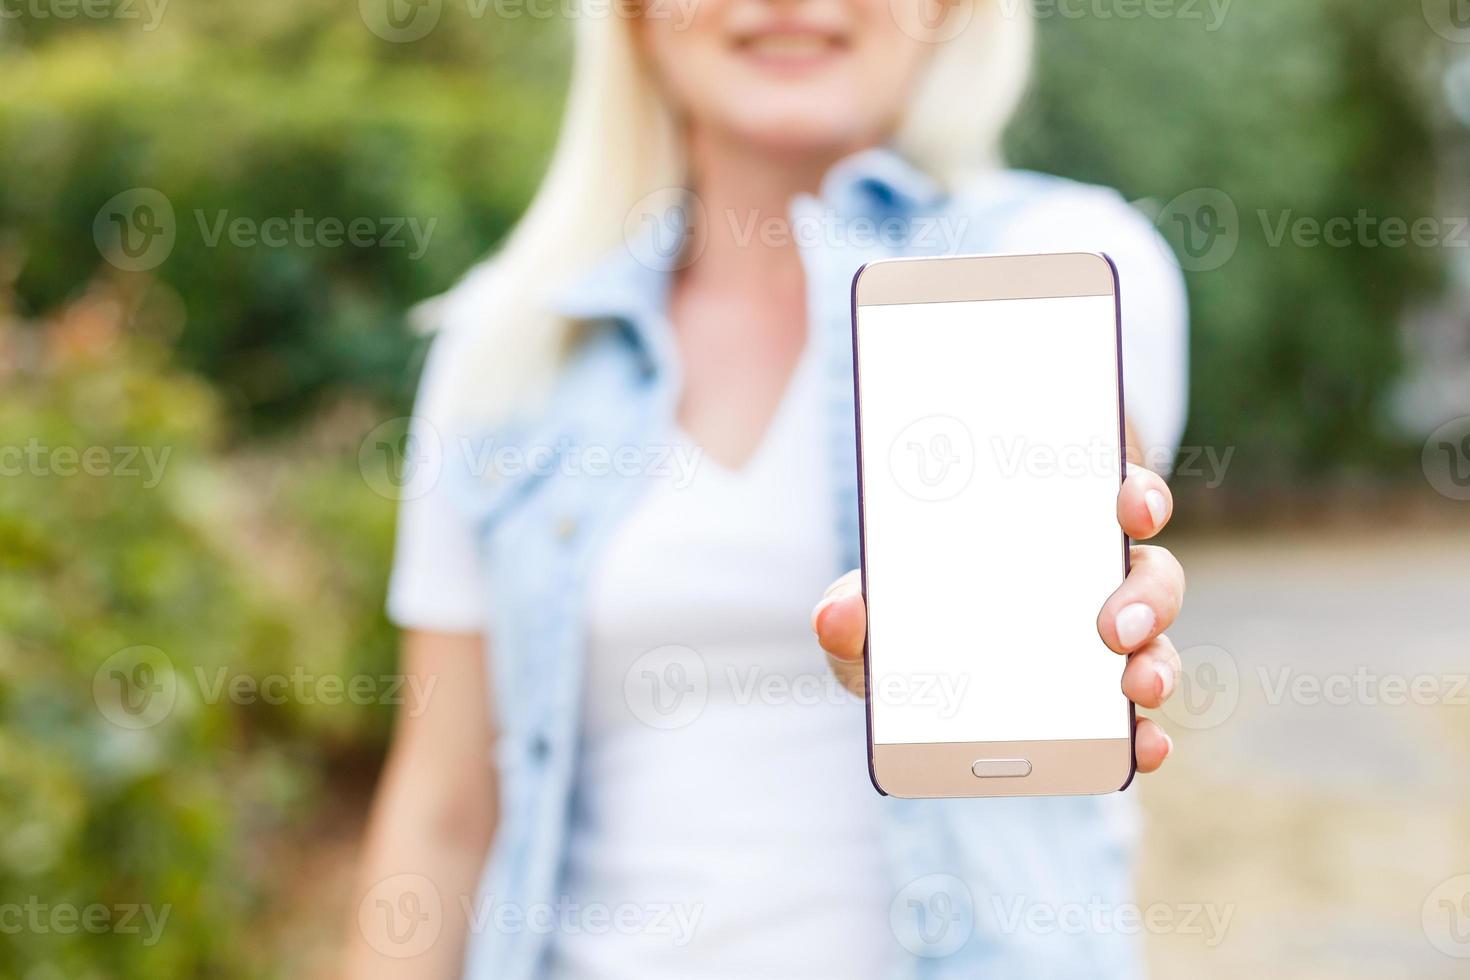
(540, 748)
(566, 528)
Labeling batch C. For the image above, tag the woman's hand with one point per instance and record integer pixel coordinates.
(1132, 621)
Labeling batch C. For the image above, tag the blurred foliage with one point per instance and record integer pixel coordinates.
(1306, 108)
(1313, 109)
(242, 110)
(122, 527)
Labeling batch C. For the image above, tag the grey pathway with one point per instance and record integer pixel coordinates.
(1315, 821)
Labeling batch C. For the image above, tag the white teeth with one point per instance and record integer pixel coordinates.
(790, 45)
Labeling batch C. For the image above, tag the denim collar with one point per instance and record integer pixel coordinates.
(630, 285)
(880, 180)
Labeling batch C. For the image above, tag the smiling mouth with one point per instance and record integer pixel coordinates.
(790, 47)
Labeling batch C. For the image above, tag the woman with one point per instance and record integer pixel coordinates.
(637, 476)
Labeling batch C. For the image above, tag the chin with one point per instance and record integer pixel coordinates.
(801, 135)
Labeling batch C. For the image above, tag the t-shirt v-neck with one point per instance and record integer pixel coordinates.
(706, 701)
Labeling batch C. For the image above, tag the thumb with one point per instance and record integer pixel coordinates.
(840, 621)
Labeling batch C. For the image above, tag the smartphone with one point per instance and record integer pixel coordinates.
(990, 441)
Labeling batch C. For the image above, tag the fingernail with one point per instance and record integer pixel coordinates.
(1168, 745)
(1134, 623)
(822, 607)
(1165, 673)
(1158, 507)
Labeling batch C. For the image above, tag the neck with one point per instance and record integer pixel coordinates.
(746, 195)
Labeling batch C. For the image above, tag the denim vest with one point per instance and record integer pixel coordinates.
(980, 888)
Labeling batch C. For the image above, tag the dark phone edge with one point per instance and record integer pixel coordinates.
(857, 418)
(1122, 477)
(862, 512)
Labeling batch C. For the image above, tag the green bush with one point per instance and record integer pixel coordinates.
(309, 123)
(1299, 108)
(140, 570)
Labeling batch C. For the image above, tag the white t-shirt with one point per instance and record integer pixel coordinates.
(722, 800)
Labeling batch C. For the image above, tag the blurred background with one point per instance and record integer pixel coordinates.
(214, 218)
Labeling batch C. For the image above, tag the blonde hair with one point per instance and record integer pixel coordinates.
(619, 143)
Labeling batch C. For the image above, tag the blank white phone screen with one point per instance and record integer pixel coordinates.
(990, 472)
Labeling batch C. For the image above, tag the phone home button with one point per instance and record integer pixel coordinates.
(993, 768)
